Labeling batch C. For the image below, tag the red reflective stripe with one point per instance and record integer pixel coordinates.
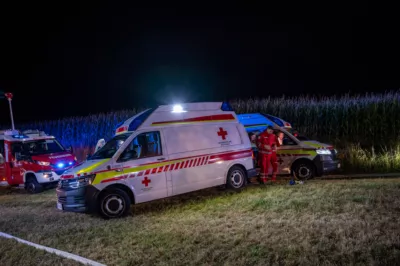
(177, 166)
(230, 156)
(160, 169)
(208, 118)
(140, 173)
(166, 168)
(172, 167)
(154, 170)
(187, 163)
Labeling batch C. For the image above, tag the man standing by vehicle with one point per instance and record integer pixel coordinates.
(267, 143)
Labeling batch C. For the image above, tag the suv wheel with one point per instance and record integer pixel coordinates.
(304, 170)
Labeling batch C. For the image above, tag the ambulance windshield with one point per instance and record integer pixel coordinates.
(111, 147)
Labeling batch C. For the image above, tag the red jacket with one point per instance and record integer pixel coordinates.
(267, 143)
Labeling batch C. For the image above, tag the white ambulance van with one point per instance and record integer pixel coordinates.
(159, 153)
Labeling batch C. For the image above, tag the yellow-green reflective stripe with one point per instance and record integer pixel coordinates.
(109, 174)
(296, 152)
(315, 145)
(92, 167)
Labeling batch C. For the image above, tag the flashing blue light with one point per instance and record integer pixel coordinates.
(274, 119)
(226, 107)
(139, 120)
(20, 137)
(70, 163)
(60, 165)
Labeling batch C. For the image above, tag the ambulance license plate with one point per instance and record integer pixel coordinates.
(59, 206)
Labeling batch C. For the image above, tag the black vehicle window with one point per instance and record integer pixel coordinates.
(286, 139)
(2, 151)
(43, 146)
(111, 147)
(144, 145)
(2, 147)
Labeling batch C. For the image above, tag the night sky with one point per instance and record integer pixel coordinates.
(74, 60)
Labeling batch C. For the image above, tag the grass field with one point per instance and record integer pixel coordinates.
(318, 223)
(14, 253)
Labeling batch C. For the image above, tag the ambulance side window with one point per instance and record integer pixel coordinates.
(144, 145)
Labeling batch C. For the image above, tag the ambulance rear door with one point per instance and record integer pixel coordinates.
(198, 153)
(143, 160)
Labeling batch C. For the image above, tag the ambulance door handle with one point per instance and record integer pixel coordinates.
(119, 170)
(161, 159)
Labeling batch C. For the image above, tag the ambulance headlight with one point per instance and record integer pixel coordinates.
(324, 151)
(89, 179)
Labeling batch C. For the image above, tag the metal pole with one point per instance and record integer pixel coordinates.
(11, 114)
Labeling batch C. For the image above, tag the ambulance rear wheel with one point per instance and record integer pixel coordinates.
(304, 170)
(32, 185)
(114, 203)
(236, 178)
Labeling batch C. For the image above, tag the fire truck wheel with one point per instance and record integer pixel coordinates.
(236, 178)
(304, 170)
(114, 203)
(32, 185)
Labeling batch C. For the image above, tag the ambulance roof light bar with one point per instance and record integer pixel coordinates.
(177, 108)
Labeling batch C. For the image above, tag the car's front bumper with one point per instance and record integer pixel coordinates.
(47, 177)
(71, 200)
(326, 164)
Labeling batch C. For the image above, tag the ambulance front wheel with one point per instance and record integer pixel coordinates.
(114, 203)
(236, 178)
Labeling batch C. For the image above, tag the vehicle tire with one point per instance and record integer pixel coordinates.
(304, 170)
(33, 186)
(236, 178)
(114, 203)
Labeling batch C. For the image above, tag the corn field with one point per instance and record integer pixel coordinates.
(365, 127)
(368, 120)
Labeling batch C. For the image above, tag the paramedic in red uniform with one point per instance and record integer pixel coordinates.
(267, 144)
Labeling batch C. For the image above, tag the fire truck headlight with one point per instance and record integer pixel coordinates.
(323, 151)
(43, 163)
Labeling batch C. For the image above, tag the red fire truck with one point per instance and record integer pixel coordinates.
(31, 159)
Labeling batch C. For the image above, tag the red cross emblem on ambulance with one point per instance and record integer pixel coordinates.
(146, 181)
(222, 133)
